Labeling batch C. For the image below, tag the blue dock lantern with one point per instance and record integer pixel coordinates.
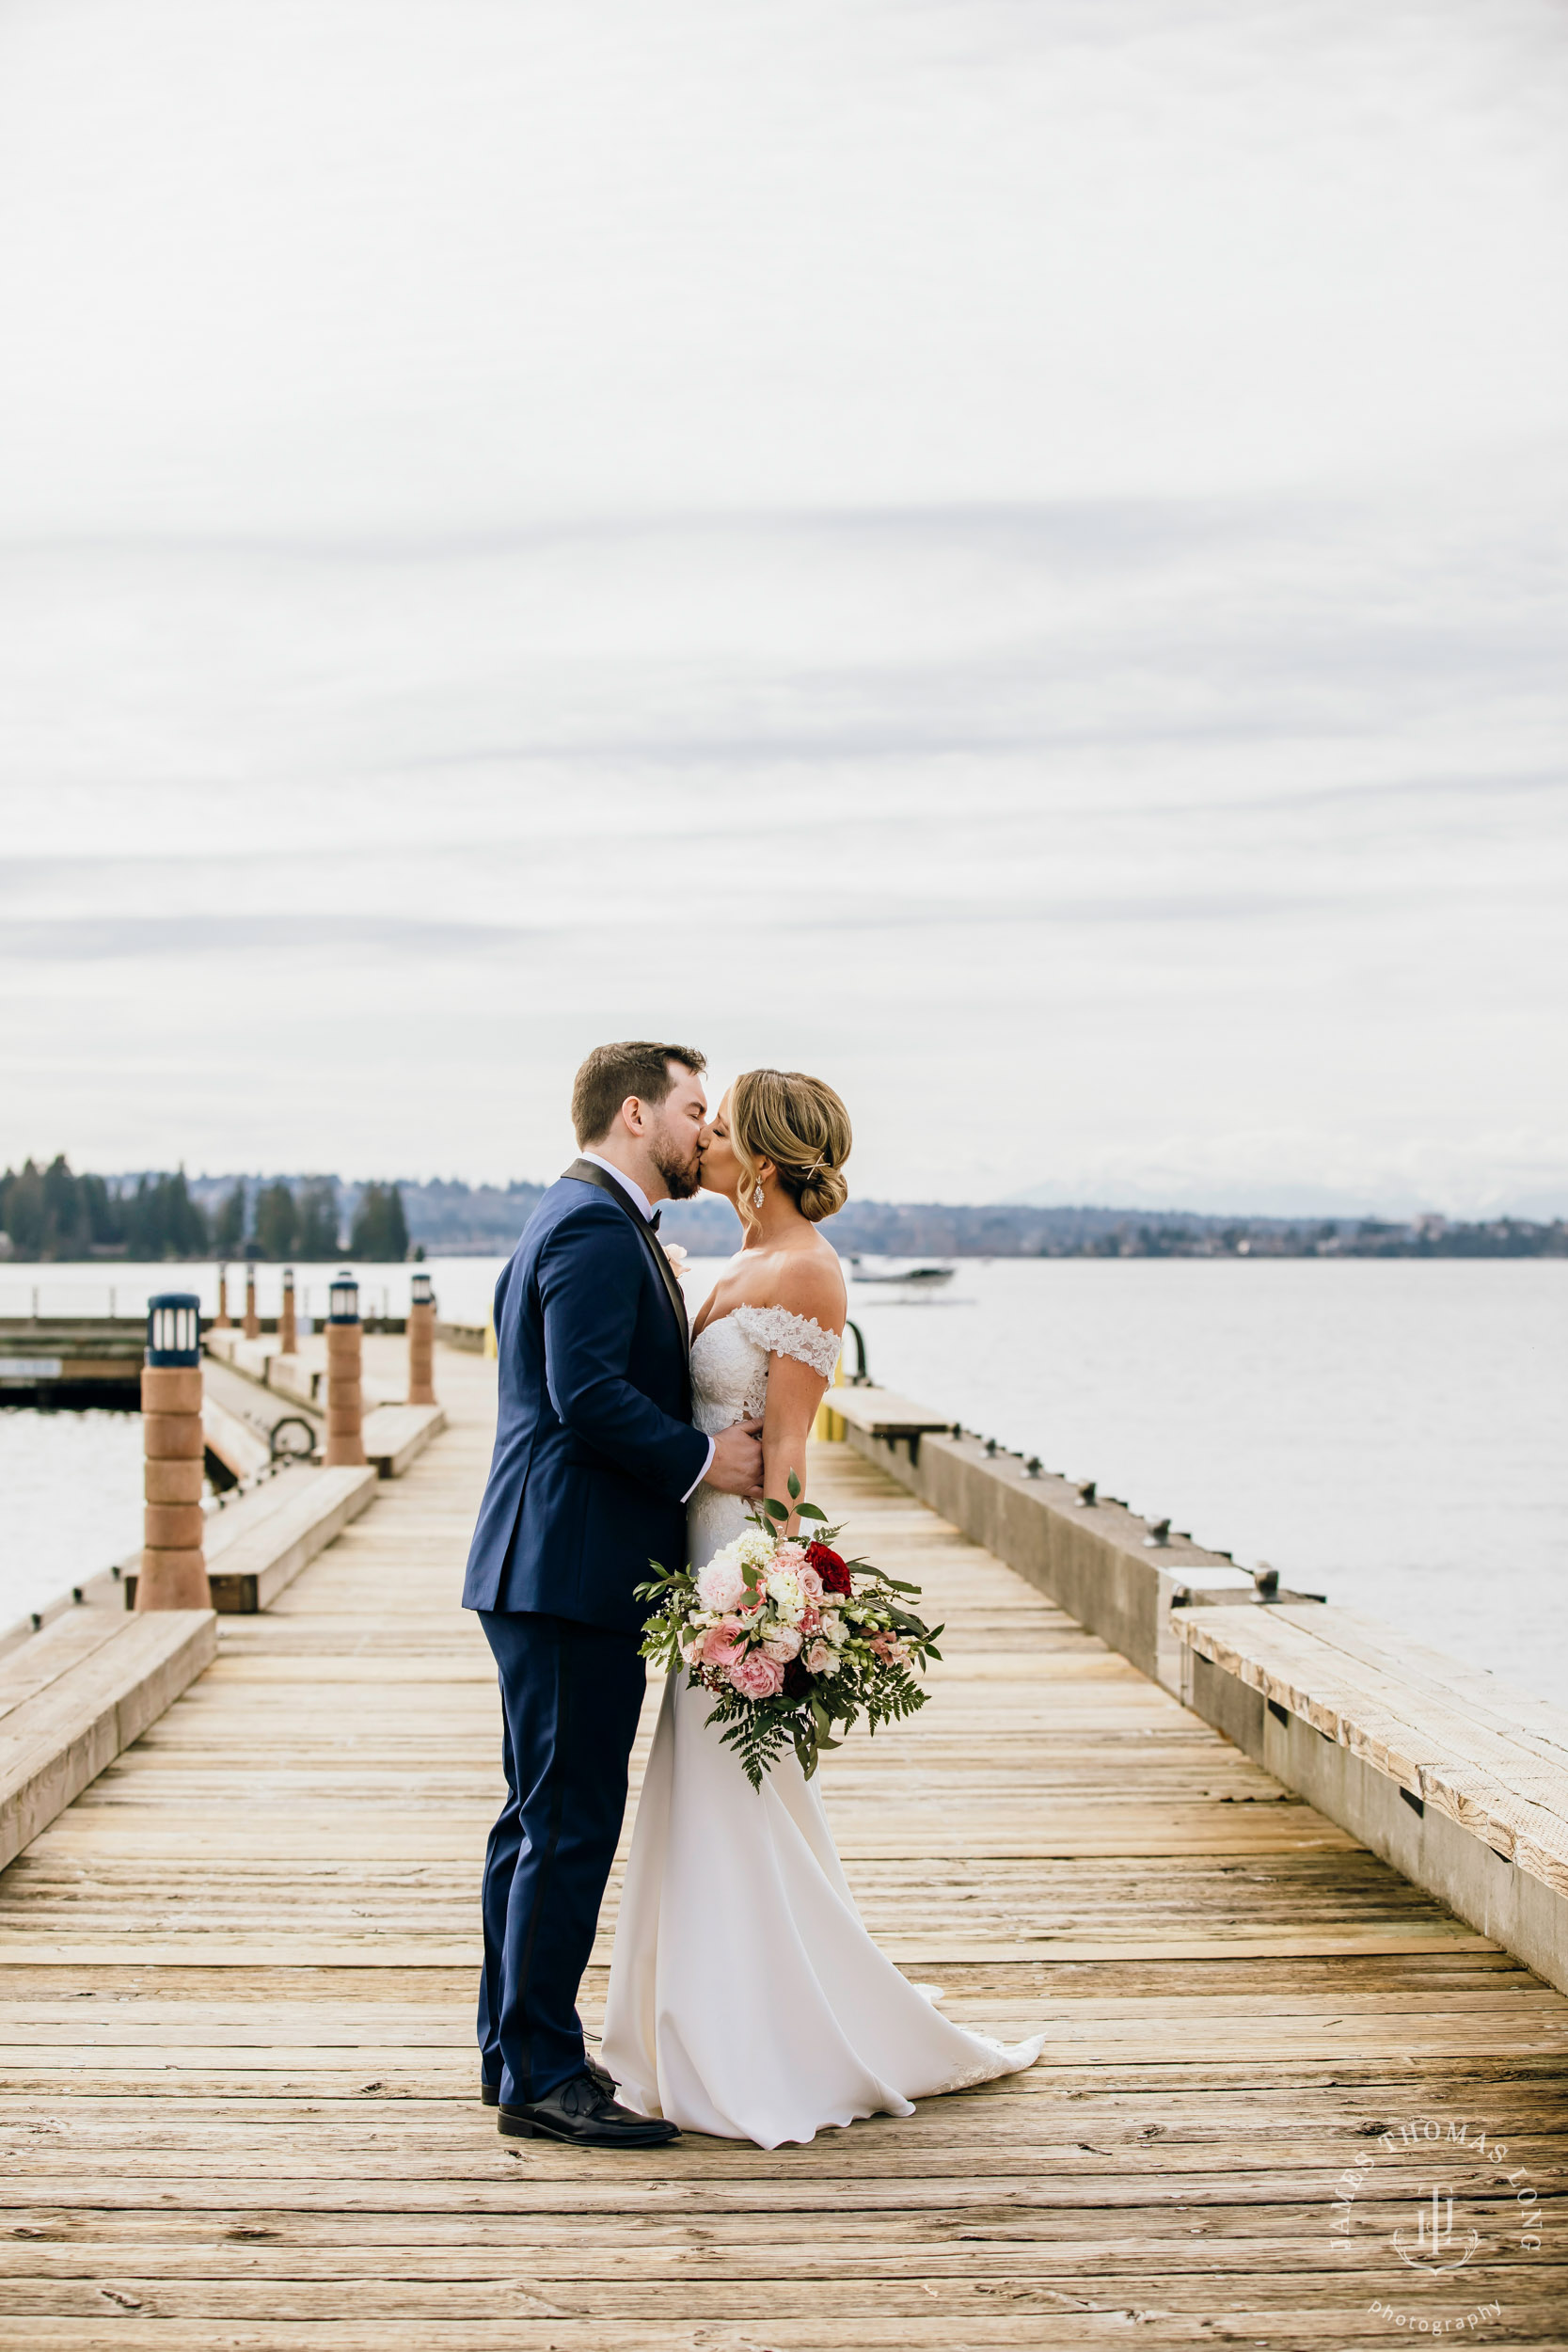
(422, 1293)
(174, 1330)
(343, 1298)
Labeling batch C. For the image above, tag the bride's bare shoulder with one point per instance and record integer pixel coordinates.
(809, 1283)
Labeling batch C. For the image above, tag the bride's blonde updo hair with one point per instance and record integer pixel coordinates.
(802, 1127)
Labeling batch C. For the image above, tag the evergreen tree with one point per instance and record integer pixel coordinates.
(161, 1220)
(65, 1233)
(184, 1220)
(140, 1219)
(105, 1227)
(277, 1221)
(53, 1214)
(228, 1232)
(24, 1210)
(380, 1227)
(317, 1236)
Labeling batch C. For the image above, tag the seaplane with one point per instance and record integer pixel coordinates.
(928, 1274)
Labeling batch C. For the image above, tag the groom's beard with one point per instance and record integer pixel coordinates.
(682, 1177)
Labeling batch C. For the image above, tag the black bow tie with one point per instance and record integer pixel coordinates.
(652, 1222)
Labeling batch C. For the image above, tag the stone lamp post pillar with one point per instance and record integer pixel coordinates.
(345, 1396)
(173, 1562)
(422, 1343)
(288, 1334)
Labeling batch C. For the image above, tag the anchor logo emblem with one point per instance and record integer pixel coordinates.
(1435, 2244)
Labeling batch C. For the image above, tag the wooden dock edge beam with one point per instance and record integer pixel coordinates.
(1449, 1858)
(1097, 1563)
(260, 1548)
(78, 1725)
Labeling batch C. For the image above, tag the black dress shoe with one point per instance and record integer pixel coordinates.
(490, 2094)
(582, 2112)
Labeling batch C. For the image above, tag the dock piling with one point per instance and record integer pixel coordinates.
(173, 1564)
(288, 1334)
(252, 1320)
(421, 1342)
(223, 1323)
(345, 1396)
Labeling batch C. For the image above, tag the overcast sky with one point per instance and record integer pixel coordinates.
(1008, 552)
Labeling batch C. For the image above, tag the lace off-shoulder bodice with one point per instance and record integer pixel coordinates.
(729, 1360)
(729, 1383)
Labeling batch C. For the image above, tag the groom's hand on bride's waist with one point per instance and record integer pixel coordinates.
(737, 1465)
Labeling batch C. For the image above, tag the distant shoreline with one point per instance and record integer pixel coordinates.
(234, 1217)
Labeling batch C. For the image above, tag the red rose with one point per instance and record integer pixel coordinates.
(830, 1568)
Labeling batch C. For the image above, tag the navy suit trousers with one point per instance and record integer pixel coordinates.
(570, 1698)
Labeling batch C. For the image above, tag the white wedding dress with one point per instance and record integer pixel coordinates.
(746, 1998)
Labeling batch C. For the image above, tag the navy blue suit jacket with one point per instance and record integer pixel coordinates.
(594, 1447)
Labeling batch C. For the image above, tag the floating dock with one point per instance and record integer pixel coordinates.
(238, 1975)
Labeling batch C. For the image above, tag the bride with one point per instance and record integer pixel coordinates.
(746, 1998)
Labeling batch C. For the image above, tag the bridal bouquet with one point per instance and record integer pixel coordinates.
(793, 1641)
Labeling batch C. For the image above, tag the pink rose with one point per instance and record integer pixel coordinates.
(718, 1647)
(821, 1658)
(789, 1555)
(811, 1583)
(783, 1643)
(811, 1621)
(756, 1677)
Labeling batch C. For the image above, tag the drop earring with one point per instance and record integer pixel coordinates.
(759, 1195)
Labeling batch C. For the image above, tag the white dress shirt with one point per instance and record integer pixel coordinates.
(644, 1208)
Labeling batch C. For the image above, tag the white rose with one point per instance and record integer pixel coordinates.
(822, 1659)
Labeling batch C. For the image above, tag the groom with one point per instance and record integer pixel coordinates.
(595, 1459)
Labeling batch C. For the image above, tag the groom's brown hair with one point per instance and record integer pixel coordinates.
(612, 1072)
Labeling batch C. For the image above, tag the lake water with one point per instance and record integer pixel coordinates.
(1389, 1434)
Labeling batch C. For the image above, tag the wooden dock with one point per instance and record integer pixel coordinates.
(240, 2103)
